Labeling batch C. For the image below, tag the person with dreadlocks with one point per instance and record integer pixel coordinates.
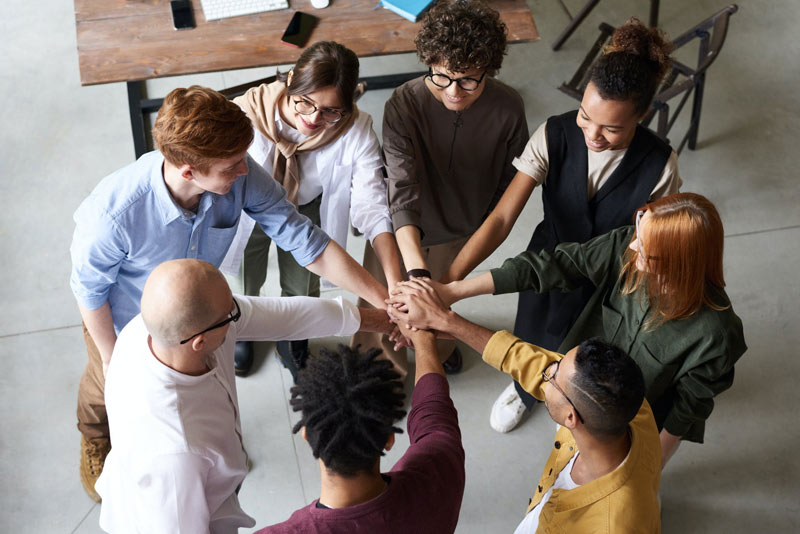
(350, 402)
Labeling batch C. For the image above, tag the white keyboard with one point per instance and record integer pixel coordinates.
(222, 9)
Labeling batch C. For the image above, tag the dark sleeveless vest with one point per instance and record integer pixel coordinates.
(569, 216)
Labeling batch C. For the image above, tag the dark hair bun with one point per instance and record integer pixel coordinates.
(633, 37)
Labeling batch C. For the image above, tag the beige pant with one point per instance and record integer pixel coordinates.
(438, 258)
(92, 418)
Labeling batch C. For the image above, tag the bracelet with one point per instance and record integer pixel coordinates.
(419, 273)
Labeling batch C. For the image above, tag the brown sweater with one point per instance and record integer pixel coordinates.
(447, 170)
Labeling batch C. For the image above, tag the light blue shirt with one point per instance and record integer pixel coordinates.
(130, 224)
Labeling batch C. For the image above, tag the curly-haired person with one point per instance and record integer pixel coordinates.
(350, 402)
(449, 139)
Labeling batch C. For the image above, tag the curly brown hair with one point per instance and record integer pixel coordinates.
(198, 125)
(462, 35)
(633, 64)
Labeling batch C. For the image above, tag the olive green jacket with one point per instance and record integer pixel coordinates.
(685, 363)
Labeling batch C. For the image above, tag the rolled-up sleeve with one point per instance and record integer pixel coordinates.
(265, 201)
(98, 248)
(402, 176)
(369, 208)
(706, 372)
(535, 158)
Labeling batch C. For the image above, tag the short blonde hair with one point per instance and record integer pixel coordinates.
(197, 125)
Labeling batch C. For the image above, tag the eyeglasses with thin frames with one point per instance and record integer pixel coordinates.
(444, 81)
(306, 107)
(232, 318)
(550, 377)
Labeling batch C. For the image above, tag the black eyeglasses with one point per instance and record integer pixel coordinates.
(444, 81)
(306, 107)
(232, 318)
(549, 376)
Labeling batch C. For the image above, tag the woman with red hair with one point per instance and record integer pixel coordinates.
(659, 295)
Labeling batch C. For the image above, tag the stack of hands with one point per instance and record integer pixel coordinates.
(418, 304)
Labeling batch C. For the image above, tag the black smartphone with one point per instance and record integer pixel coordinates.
(182, 14)
(299, 29)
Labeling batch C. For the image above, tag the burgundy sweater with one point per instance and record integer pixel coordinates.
(427, 483)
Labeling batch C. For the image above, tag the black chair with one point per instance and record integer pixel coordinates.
(576, 21)
(681, 80)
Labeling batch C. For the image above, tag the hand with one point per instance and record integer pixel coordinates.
(399, 339)
(446, 292)
(416, 304)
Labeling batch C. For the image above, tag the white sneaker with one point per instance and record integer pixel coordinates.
(507, 410)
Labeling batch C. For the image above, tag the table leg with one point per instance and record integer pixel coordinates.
(137, 118)
(654, 13)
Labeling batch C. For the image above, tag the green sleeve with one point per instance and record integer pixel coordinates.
(706, 372)
(566, 267)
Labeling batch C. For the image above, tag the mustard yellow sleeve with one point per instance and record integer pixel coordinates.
(523, 361)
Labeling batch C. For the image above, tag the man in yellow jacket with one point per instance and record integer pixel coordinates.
(603, 472)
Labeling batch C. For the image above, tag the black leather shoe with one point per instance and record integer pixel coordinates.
(293, 355)
(453, 364)
(243, 358)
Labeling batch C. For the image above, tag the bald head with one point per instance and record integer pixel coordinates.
(183, 297)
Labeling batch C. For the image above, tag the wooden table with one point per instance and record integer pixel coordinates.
(133, 40)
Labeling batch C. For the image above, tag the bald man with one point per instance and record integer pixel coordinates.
(178, 459)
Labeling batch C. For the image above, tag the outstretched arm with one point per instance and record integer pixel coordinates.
(425, 310)
(449, 293)
(408, 240)
(385, 248)
(338, 267)
(494, 230)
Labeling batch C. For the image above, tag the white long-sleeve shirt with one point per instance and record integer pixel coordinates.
(177, 456)
(349, 175)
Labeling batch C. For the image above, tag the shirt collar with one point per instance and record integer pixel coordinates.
(168, 209)
(600, 488)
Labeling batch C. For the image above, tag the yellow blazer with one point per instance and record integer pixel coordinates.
(623, 501)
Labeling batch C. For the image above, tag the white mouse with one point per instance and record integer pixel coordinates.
(319, 4)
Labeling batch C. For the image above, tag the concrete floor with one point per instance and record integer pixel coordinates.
(59, 139)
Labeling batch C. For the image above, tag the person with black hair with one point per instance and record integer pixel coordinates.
(350, 402)
(449, 138)
(603, 473)
(596, 166)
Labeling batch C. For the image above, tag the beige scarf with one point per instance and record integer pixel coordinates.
(259, 105)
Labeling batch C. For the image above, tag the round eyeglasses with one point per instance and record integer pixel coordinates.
(443, 81)
(306, 107)
(232, 318)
